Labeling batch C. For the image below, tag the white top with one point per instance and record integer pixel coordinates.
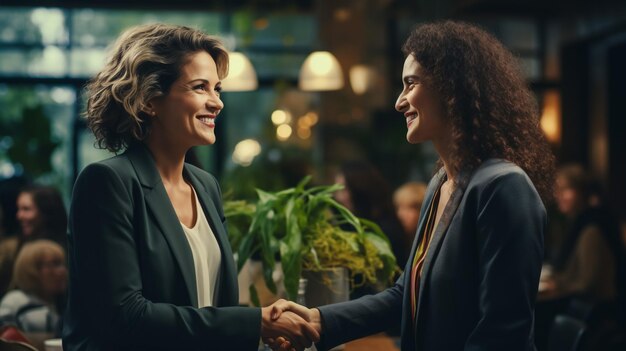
(207, 256)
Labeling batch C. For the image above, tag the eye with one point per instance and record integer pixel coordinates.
(218, 90)
(200, 87)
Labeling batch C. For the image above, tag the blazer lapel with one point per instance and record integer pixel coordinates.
(215, 221)
(408, 339)
(164, 215)
(437, 240)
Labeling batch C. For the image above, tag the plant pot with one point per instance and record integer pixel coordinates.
(326, 287)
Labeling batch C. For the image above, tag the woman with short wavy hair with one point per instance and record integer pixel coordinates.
(150, 263)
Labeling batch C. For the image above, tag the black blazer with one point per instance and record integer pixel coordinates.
(480, 276)
(132, 279)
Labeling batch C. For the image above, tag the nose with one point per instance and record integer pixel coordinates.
(401, 103)
(214, 103)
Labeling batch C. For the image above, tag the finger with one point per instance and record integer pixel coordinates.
(286, 346)
(278, 308)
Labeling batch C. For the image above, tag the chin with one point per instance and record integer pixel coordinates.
(413, 139)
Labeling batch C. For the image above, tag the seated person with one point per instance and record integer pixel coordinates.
(586, 263)
(589, 259)
(40, 214)
(40, 281)
(407, 200)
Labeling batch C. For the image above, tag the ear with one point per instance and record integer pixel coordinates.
(150, 108)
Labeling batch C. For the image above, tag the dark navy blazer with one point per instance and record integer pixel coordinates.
(480, 276)
(132, 278)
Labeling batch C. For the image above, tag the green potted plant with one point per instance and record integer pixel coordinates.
(305, 229)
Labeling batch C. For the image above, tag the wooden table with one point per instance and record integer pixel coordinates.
(378, 342)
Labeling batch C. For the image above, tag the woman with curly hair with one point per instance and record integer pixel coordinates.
(150, 264)
(471, 280)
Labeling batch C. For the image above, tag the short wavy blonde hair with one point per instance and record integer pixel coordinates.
(144, 62)
(29, 261)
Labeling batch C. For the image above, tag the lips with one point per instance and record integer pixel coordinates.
(207, 120)
(410, 118)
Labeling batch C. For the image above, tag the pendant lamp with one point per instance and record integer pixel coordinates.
(320, 72)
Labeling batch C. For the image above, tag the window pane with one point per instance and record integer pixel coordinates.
(279, 65)
(530, 68)
(38, 121)
(519, 34)
(274, 30)
(32, 26)
(101, 27)
(87, 62)
(51, 61)
(87, 150)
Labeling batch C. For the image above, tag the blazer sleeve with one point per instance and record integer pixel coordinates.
(345, 321)
(104, 262)
(510, 226)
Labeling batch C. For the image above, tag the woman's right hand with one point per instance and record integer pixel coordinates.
(288, 322)
(311, 315)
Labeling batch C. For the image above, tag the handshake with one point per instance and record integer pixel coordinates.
(287, 326)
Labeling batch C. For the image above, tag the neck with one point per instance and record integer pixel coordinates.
(443, 150)
(169, 160)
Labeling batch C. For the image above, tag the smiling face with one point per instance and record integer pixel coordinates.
(185, 117)
(420, 104)
(27, 213)
(52, 273)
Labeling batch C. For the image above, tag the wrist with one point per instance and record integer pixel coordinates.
(265, 319)
(316, 319)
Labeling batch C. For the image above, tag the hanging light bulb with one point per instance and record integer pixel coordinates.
(241, 74)
(320, 71)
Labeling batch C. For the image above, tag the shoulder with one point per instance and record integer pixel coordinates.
(8, 246)
(498, 170)
(497, 175)
(115, 165)
(112, 171)
(12, 301)
(505, 184)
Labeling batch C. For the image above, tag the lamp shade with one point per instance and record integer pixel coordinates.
(241, 74)
(320, 71)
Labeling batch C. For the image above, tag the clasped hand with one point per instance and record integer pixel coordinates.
(288, 326)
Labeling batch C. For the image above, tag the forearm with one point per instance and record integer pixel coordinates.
(368, 315)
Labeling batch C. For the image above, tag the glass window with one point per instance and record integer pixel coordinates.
(33, 26)
(50, 61)
(276, 65)
(38, 122)
(52, 45)
(274, 30)
(101, 27)
(87, 150)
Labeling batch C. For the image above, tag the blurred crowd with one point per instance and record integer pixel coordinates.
(584, 272)
(33, 273)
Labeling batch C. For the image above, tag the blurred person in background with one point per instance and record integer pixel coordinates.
(589, 264)
(39, 282)
(408, 199)
(41, 214)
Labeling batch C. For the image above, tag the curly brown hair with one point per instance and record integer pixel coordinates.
(492, 112)
(145, 61)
